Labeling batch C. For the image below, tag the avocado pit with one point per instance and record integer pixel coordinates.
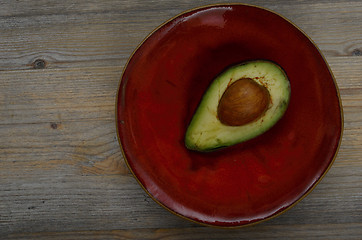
(243, 101)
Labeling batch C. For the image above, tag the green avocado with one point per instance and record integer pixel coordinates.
(241, 103)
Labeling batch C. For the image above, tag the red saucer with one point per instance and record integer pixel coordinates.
(162, 85)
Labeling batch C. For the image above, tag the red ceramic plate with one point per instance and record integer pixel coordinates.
(162, 86)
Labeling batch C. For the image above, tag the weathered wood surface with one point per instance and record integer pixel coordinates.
(62, 175)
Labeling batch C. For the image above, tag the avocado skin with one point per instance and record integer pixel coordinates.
(206, 133)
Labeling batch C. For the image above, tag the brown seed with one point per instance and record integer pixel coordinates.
(243, 101)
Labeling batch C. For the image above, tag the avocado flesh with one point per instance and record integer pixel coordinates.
(206, 132)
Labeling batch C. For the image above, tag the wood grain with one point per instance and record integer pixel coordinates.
(62, 174)
(105, 34)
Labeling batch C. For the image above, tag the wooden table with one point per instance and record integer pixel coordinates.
(62, 174)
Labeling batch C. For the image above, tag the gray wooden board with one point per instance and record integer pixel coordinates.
(62, 174)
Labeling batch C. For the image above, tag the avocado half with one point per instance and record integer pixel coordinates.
(206, 132)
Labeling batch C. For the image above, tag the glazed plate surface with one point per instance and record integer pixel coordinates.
(162, 85)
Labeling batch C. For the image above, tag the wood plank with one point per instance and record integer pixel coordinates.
(45, 7)
(104, 34)
(310, 231)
